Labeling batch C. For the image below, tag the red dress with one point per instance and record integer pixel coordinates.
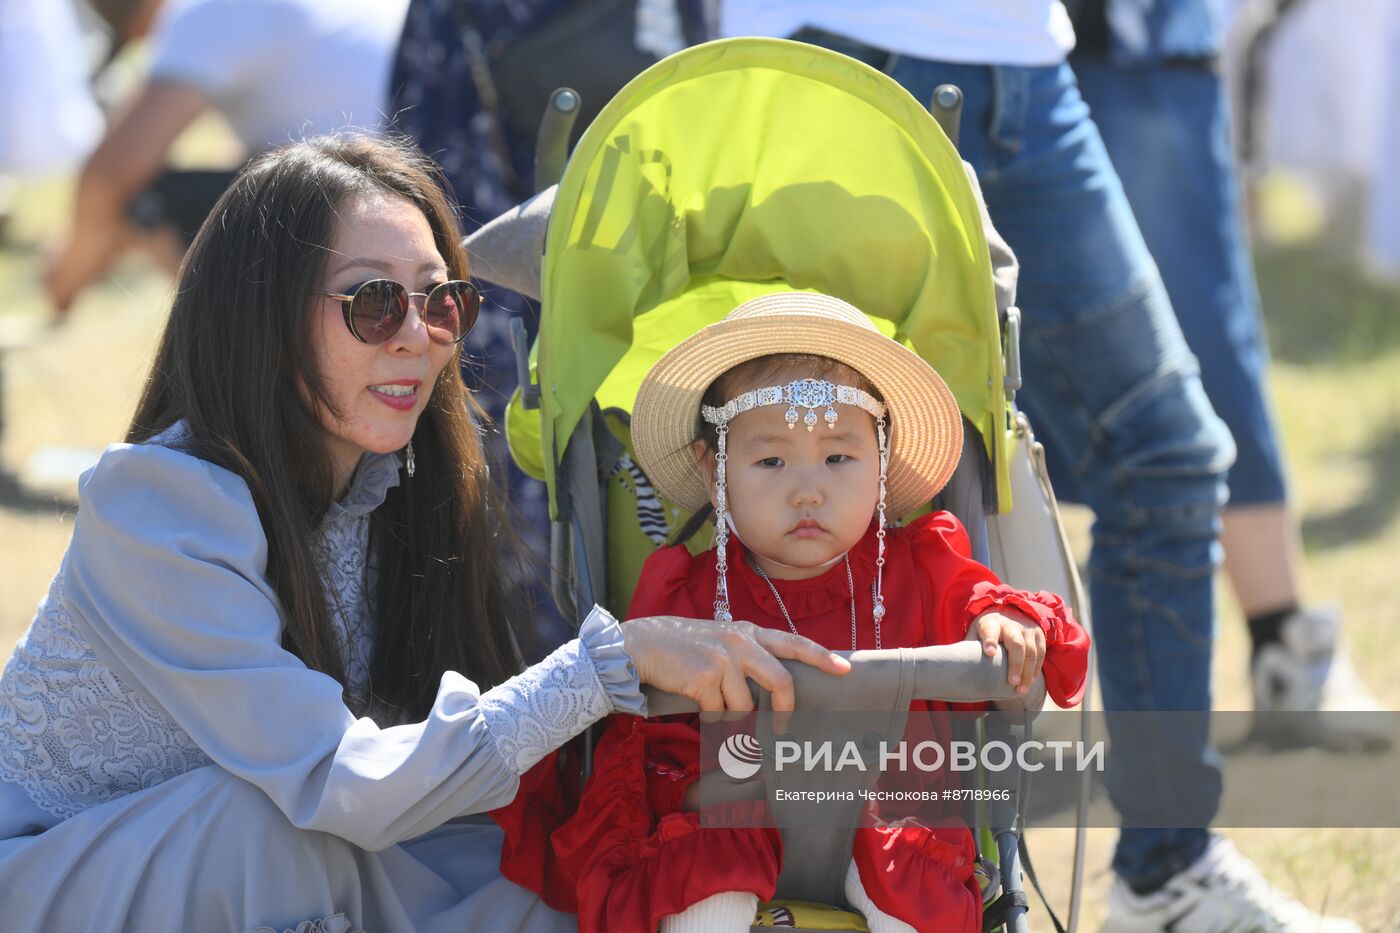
(630, 854)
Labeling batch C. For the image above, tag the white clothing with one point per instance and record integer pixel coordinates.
(49, 120)
(875, 918)
(1329, 116)
(726, 912)
(1383, 236)
(978, 32)
(281, 70)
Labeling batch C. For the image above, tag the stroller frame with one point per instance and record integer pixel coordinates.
(579, 550)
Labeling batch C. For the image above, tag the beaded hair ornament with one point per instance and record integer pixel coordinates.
(810, 394)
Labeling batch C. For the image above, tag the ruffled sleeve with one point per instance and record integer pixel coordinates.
(601, 639)
(1067, 644)
(167, 576)
(964, 589)
(543, 707)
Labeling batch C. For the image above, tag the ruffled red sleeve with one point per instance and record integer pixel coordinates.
(1067, 644)
(964, 589)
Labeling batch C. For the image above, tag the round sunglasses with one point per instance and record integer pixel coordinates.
(375, 310)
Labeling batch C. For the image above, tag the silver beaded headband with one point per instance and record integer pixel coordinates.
(810, 394)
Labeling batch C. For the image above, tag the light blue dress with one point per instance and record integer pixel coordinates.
(165, 764)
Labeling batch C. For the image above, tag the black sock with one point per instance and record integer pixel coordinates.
(1267, 627)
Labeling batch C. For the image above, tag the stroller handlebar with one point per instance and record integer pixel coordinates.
(953, 673)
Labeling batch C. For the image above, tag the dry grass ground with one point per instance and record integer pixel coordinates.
(1336, 382)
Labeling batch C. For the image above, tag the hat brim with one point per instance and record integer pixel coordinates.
(925, 422)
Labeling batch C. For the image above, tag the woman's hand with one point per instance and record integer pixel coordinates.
(711, 662)
(1023, 639)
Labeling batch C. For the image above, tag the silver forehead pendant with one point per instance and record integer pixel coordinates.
(810, 394)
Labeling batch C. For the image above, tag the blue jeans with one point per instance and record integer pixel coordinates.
(1167, 130)
(1116, 395)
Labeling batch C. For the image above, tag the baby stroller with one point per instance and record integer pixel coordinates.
(724, 172)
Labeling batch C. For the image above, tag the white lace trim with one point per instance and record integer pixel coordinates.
(549, 703)
(535, 712)
(72, 735)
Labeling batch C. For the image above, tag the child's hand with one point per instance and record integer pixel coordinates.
(1020, 635)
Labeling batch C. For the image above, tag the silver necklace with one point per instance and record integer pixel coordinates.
(850, 584)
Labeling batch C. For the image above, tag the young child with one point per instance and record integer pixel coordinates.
(807, 456)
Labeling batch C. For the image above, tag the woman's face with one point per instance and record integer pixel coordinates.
(798, 497)
(380, 391)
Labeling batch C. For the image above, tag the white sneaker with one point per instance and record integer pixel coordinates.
(1307, 672)
(1221, 892)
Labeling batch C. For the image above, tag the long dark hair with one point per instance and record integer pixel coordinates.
(235, 363)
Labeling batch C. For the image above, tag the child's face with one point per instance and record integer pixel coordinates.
(799, 497)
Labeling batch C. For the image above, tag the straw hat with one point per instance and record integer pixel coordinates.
(925, 423)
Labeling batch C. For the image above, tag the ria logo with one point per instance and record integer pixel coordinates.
(740, 757)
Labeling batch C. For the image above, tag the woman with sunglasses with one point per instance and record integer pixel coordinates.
(278, 679)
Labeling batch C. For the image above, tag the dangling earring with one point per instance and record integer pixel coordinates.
(879, 594)
(722, 613)
(410, 466)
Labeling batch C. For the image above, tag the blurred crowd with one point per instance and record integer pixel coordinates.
(1311, 91)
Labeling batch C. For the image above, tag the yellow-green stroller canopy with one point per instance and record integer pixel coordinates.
(742, 167)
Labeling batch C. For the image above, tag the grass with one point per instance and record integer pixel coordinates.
(1336, 384)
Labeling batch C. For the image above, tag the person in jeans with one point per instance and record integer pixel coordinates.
(1161, 108)
(1113, 388)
